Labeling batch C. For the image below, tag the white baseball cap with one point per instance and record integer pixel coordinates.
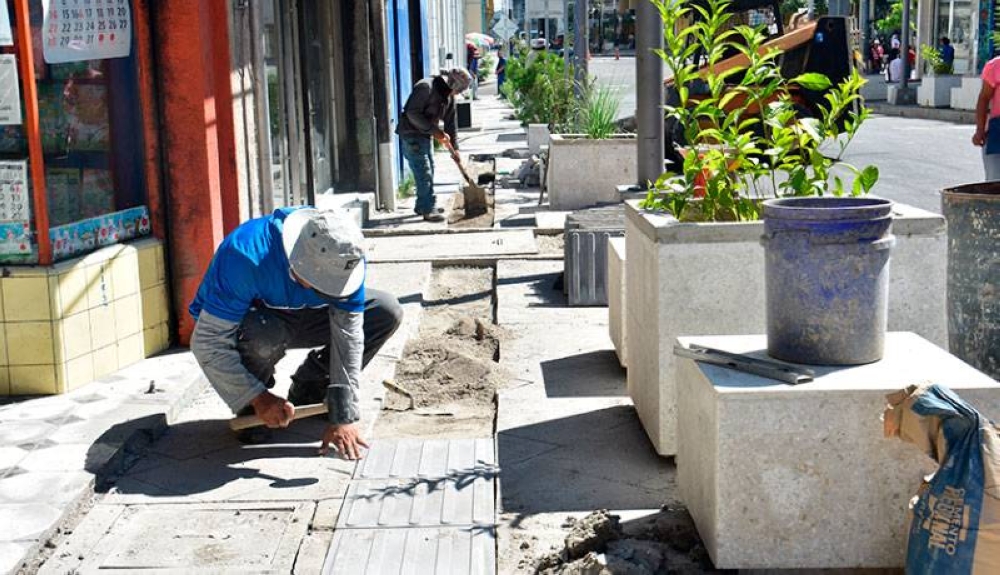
(326, 249)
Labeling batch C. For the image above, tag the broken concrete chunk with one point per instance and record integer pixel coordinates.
(592, 533)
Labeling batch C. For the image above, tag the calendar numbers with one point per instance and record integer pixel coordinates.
(87, 30)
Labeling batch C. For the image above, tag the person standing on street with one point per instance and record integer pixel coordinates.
(987, 135)
(431, 103)
(501, 73)
(293, 279)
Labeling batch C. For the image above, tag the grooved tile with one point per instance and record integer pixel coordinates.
(423, 484)
(466, 551)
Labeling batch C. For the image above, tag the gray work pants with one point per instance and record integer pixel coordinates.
(266, 333)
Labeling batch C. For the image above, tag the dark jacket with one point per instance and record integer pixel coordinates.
(429, 104)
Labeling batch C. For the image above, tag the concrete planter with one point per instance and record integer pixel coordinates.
(708, 279)
(582, 172)
(935, 91)
(538, 136)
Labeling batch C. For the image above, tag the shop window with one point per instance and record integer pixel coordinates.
(90, 136)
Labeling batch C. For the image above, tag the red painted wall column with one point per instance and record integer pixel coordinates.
(198, 171)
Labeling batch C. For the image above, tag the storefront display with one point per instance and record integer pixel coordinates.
(88, 128)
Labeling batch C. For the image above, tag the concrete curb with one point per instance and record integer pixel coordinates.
(923, 113)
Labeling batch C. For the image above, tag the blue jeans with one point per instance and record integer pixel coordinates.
(420, 157)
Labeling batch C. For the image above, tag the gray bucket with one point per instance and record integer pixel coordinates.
(973, 215)
(827, 278)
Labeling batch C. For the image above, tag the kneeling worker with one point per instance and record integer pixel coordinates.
(293, 279)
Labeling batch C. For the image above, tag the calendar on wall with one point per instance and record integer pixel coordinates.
(77, 30)
(14, 191)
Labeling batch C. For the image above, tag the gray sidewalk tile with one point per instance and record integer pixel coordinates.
(527, 295)
(70, 457)
(30, 519)
(49, 488)
(220, 538)
(406, 458)
(238, 473)
(12, 554)
(10, 457)
(468, 551)
(443, 247)
(24, 433)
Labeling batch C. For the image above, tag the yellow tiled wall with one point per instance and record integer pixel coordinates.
(67, 324)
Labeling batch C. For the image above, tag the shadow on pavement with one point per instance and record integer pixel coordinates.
(590, 374)
(204, 458)
(593, 460)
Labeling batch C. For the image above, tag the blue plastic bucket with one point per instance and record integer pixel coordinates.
(827, 278)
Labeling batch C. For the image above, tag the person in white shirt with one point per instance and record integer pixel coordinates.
(895, 69)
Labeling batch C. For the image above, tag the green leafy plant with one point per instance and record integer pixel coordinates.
(598, 116)
(933, 57)
(487, 64)
(407, 187)
(540, 89)
(748, 137)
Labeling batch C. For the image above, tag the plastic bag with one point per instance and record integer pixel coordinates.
(955, 517)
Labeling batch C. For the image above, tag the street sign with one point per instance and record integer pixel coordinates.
(505, 29)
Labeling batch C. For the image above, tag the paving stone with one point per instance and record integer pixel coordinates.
(27, 521)
(527, 294)
(327, 512)
(42, 409)
(407, 458)
(111, 430)
(312, 553)
(50, 488)
(69, 457)
(22, 432)
(273, 471)
(457, 499)
(469, 551)
(220, 538)
(12, 554)
(451, 246)
(11, 456)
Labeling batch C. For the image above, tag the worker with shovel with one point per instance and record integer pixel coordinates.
(431, 103)
(293, 279)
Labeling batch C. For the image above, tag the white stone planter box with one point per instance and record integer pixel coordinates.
(617, 301)
(538, 136)
(582, 172)
(789, 477)
(708, 278)
(965, 96)
(935, 91)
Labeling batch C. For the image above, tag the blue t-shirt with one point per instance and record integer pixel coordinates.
(250, 267)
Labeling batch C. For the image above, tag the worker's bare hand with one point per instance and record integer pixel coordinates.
(274, 411)
(979, 138)
(440, 136)
(345, 439)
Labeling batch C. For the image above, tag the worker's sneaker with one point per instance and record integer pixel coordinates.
(434, 217)
(252, 435)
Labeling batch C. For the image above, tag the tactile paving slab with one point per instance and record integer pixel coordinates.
(423, 484)
(423, 551)
(419, 507)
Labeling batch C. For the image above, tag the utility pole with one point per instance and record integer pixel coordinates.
(580, 44)
(904, 93)
(649, 92)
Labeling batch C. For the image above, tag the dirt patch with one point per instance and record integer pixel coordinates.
(477, 217)
(599, 544)
(449, 368)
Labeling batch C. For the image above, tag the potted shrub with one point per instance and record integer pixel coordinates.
(935, 88)
(694, 263)
(592, 157)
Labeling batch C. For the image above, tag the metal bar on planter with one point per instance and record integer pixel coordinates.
(790, 374)
(32, 132)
